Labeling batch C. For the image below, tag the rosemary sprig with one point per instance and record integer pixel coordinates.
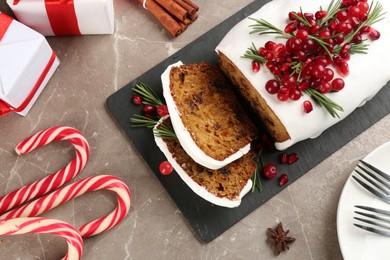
(375, 14)
(253, 54)
(323, 101)
(361, 48)
(256, 181)
(332, 10)
(263, 27)
(163, 130)
(148, 95)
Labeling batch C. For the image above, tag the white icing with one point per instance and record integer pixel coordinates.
(199, 190)
(184, 136)
(368, 72)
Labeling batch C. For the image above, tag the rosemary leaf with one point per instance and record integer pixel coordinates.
(253, 54)
(264, 27)
(142, 121)
(324, 101)
(163, 130)
(148, 95)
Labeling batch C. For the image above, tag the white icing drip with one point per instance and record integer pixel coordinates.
(184, 135)
(199, 190)
(367, 73)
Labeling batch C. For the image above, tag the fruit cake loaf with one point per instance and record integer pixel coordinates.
(206, 115)
(223, 187)
(288, 121)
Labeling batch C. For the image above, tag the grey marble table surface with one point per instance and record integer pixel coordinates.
(94, 67)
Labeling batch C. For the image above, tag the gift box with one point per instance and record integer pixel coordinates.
(27, 62)
(65, 17)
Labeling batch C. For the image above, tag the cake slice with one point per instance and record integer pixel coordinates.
(223, 187)
(206, 115)
(287, 121)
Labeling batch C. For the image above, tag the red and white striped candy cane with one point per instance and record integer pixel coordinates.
(55, 180)
(47, 226)
(74, 190)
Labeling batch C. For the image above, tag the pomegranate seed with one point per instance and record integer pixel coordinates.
(137, 99)
(307, 106)
(149, 109)
(365, 29)
(346, 47)
(318, 70)
(324, 34)
(263, 51)
(329, 74)
(284, 158)
(303, 85)
(294, 44)
(302, 34)
(357, 38)
(283, 179)
(270, 45)
(282, 94)
(325, 87)
(314, 29)
(291, 27)
(320, 14)
(337, 84)
(165, 168)
(162, 110)
(294, 94)
(363, 7)
(374, 34)
(345, 56)
(353, 11)
(270, 171)
(291, 16)
(292, 158)
(343, 68)
(342, 16)
(272, 86)
(339, 38)
(347, 3)
(255, 66)
(308, 16)
(289, 81)
(363, 17)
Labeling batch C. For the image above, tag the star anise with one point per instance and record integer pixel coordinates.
(278, 238)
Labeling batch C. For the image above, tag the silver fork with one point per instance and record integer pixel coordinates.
(375, 181)
(378, 220)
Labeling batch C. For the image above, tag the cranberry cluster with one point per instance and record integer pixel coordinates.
(317, 44)
(149, 110)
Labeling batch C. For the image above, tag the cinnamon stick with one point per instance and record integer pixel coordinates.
(189, 2)
(173, 8)
(190, 9)
(163, 17)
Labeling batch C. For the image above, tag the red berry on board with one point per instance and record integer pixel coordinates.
(307, 106)
(284, 158)
(270, 171)
(292, 158)
(283, 179)
(374, 34)
(272, 86)
(137, 99)
(165, 168)
(162, 110)
(149, 109)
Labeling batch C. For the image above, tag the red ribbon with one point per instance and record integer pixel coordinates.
(5, 22)
(6, 108)
(62, 16)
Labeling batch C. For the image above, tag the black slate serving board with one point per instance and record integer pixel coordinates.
(210, 221)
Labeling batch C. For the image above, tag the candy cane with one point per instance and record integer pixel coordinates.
(74, 190)
(55, 180)
(47, 226)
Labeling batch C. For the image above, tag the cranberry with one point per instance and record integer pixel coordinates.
(354, 11)
(342, 16)
(270, 171)
(363, 7)
(307, 106)
(283, 94)
(328, 75)
(149, 109)
(289, 81)
(162, 110)
(270, 45)
(302, 34)
(255, 66)
(303, 85)
(283, 179)
(291, 27)
(294, 94)
(325, 87)
(318, 70)
(166, 168)
(137, 99)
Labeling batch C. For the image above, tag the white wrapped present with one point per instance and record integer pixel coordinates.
(65, 17)
(26, 65)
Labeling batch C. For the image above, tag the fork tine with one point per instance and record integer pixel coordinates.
(374, 230)
(374, 181)
(383, 182)
(371, 222)
(380, 195)
(376, 210)
(381, 173)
